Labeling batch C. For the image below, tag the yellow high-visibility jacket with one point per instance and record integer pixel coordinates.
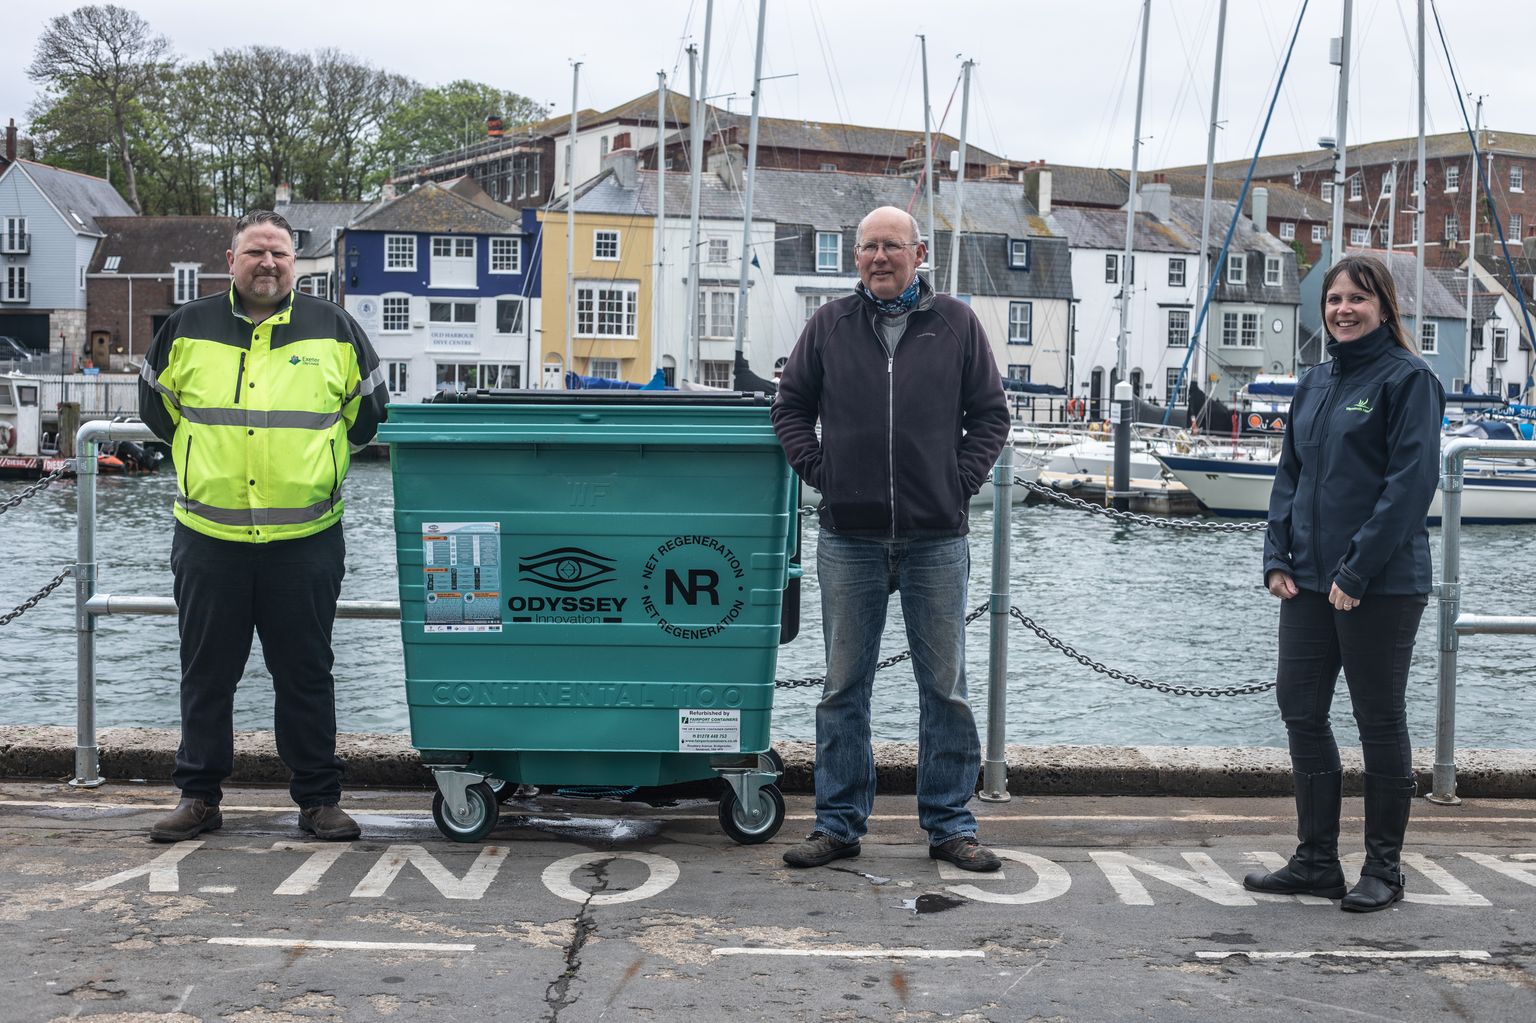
(260, 416)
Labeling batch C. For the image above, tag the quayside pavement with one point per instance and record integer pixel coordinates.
(1108, 908)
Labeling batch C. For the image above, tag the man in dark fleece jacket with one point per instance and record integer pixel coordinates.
(912, 420)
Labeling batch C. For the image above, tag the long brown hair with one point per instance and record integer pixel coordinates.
(1372, 277)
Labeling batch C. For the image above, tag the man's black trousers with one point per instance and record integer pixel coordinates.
(285, 592)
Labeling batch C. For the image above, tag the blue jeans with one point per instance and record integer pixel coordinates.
(857, 578)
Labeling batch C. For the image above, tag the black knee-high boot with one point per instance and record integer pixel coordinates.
(1388, 802)
(1314, 869)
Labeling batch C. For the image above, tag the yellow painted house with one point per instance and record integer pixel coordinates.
(612, 286)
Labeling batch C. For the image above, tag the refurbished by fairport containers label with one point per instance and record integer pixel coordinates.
(708, 731)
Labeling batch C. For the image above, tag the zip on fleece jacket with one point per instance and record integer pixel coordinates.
(941, 420)
(1358, 468)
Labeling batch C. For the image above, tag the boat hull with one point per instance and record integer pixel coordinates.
(1240, 489)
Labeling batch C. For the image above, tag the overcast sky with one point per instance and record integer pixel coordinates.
(1054, 79)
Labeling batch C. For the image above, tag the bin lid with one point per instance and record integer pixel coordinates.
(521, 396)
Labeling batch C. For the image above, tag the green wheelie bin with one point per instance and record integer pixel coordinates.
(592, 593)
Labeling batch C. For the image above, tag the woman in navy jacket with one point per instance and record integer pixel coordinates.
(1347, 553)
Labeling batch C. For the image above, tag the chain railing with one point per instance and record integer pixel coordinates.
(33, 601)
(1135, 518)
(1169, 688)
(38, 487)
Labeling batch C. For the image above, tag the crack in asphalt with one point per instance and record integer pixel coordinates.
(558, 995)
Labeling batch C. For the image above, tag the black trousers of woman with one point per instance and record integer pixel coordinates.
(1373, 644)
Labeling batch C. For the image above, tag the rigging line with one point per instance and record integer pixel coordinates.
(839, 94)
(1117, 98)
(899, 97)
(986, 112)
(1237, 211)
(1289, 105)
(1493, 213)
(1188, 86)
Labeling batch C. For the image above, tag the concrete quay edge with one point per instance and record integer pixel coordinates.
(389, 761)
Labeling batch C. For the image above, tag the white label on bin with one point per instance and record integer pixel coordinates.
(708, 731)
(461, 570)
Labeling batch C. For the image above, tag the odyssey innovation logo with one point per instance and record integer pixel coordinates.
(569, 569)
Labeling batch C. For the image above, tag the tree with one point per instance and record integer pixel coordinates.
(103, 57)
(353, 100)
(449, 117)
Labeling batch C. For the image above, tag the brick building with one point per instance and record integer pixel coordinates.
(1373, 168)
(142, 270)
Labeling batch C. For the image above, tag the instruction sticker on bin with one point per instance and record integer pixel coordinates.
(461, 567)
(708, 731)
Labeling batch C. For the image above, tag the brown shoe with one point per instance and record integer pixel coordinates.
(191, 818)
(329, 823)
(967, 854)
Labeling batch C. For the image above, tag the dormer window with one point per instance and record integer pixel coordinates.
(1018, 253)
(186, 282)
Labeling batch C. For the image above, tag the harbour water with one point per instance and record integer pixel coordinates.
(1170, 606)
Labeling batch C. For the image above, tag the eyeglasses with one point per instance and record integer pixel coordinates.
(889, 248)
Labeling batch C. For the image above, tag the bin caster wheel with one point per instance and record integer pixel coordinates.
(736, 822)
(778, 761)
(507, 790)
(479, 822)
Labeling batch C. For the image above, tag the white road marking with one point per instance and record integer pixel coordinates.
(307, 878)
(1352, 953)
(471, 886)
(857, 953)
(1051, 881)
(162, 871)
(217, 889)
(350, 946)
(663, 875)
(1206, 880)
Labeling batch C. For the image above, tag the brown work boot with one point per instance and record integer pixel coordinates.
(329, 823)
(967, 854)
(191, 818)
(819, 849)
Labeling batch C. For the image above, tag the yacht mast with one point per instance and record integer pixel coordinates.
(1210, 170)
(658, 278)
(746, 213)
(1121, 406)
(928, 156)
(954, 237)
(570, 231)
(691, 310)
(1422, 190)
(1336, 248)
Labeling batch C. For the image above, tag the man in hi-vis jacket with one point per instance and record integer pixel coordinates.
(912, 420)
(261, 392)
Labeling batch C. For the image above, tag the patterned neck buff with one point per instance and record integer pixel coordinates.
(902, 303)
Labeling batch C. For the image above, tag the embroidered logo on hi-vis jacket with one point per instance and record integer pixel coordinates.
(308, 360)
(1362, 405)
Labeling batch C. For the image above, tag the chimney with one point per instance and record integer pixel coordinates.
(997, 172)
(1157, 199)
(1261, 209)
(284, 195)
(388, 193)
(729, 164)
(1037, 188)
(10, 141)
(626, 167)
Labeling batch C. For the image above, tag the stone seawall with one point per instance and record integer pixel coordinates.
(148, 754)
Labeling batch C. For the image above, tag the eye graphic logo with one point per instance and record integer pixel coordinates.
(566, 568)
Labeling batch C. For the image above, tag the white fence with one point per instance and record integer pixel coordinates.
(101, 395)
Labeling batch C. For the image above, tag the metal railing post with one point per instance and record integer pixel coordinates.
(1443, 776)
(87, 752)
(994, 772)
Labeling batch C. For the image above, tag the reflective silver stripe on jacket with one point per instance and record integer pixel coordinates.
(368, 384)
(273, 420)
(259, 516)
(153, 380)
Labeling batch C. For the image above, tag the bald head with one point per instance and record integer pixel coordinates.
(889, 218)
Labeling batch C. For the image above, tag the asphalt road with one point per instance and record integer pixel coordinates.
(574, 911)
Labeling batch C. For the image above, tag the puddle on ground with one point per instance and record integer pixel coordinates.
(930, 902)
(591, 829)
